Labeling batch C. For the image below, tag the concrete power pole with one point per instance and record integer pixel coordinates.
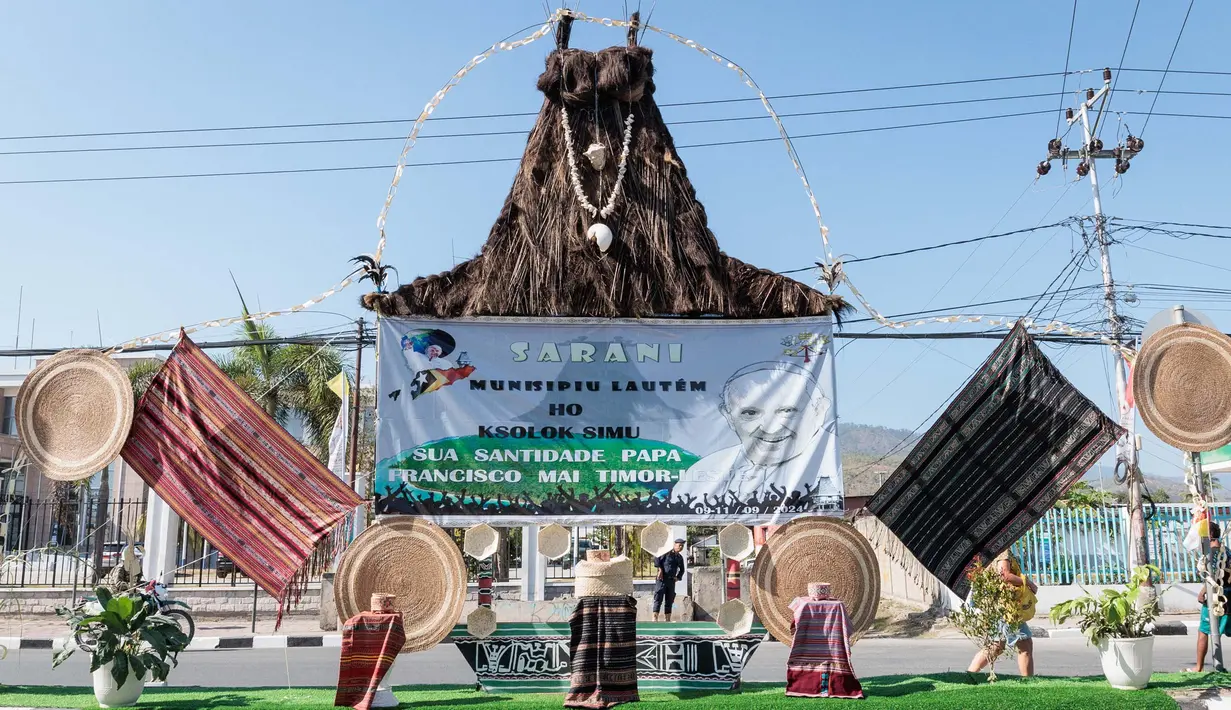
(1088, 155)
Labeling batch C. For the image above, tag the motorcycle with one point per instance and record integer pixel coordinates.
(154, 594)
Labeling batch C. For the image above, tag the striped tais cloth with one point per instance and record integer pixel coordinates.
(371, 642)
(820, 662)
(1008, 446)
(242, 482)
(603, 650)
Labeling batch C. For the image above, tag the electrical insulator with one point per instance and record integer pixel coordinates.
(1115, 152)
(1121, 166)
(1068, 113)
(1053, 146)
(1135, 144)
(1083, 169)
(1089, 94)
(1107, 74)
(1044, 168)
(1096, 145)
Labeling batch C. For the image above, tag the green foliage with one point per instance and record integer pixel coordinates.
(288, 380)
(1083, 495)
(992, 608)
(128, 631)
(1112, 614)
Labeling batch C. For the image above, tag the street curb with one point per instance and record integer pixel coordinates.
(235, 643)
(1162, 628)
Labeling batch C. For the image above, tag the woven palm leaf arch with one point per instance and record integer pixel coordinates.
(537, 261)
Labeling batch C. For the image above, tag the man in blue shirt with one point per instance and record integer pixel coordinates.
(670, 570)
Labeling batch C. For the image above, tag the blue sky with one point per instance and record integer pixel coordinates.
(150, 255)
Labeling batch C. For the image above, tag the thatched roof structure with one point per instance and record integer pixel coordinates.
(665, 261)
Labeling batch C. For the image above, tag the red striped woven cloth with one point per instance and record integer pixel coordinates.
(820, 662)
(371, 642)
(242, 482)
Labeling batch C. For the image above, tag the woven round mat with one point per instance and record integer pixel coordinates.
(1182, 385)
(815, 549)
(73, 414)
(414, 560)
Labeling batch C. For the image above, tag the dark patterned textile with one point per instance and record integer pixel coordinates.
(1011, 443)
(603, 649)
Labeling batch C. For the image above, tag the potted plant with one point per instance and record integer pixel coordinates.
(128, 640)
(1120, 627)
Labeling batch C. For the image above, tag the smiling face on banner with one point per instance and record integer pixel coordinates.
(775, 409)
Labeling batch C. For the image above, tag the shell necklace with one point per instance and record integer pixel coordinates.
(597, 154)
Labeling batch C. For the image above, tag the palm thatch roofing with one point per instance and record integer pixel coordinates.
(665, 261)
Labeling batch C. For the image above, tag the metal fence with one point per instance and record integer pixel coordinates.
(1090, 545)
(56, 543)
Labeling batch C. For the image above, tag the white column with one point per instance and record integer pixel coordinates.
(533, 566)
(161, 540)
(680, 532)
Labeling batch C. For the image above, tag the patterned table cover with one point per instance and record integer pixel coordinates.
(534, 657)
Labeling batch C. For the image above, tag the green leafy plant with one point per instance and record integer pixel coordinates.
(127, 631)
(990, 610)
(1113, 613)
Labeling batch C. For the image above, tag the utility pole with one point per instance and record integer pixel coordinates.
(1088, 155)
(354, 420)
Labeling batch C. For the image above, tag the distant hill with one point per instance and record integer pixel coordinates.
(870, 454)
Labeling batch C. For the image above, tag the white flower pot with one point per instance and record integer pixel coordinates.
(109, 695)
(1127, 663)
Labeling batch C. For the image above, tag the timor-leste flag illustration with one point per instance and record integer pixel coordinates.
(428, 381)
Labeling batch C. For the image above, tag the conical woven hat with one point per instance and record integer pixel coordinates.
(414, 560)
(1182, 384)
(800, 552)
(73, 414)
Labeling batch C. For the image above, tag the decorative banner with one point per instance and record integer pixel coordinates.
(616, 421)
(671, 658)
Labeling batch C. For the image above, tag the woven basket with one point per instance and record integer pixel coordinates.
(413, 560)
(801, 551)
(1182, 385)
(597, 577)
(73, 414)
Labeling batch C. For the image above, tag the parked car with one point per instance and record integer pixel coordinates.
(113, 554)
(226, 566)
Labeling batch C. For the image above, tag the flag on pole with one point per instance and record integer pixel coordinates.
(341, 428)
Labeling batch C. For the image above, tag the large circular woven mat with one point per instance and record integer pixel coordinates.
(410, 558)
(815, 549)
(1182, 384)
(73, 414)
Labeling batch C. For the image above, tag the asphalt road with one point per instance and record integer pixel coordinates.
(444, 665)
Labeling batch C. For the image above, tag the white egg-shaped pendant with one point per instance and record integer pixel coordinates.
(602, 236)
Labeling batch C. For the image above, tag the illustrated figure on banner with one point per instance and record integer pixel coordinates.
(778, 413)
(426, 354)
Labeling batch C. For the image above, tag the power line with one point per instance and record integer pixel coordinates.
(521, 132)
(496, 160)
(1123, 53)
(1169, 59)
(279, 126)
(1067, 53)
(937, 246)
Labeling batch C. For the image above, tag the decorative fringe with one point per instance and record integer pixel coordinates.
(883, 539)
(333, 544)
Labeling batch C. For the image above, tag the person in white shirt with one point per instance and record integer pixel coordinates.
(780, 416)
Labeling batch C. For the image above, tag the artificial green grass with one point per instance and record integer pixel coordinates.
(944, 691)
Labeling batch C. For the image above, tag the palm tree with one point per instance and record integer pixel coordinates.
(288, 380)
